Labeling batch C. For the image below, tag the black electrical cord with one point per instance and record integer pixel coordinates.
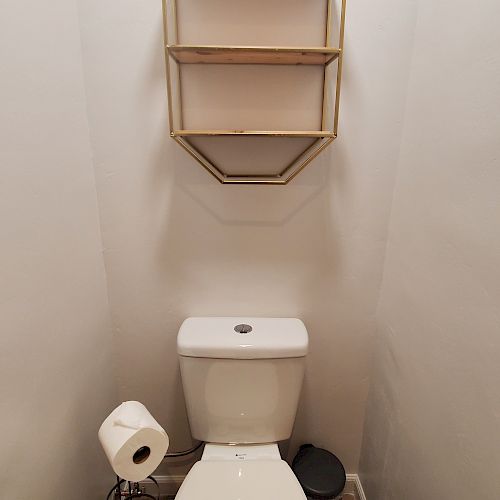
(154, 481)
(157, 485)
(115, 487)
(134, 495)
(185, 452)
(139, 495)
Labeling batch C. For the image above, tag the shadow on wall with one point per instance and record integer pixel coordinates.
(222, 245)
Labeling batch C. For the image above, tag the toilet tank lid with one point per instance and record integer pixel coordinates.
(231, 338)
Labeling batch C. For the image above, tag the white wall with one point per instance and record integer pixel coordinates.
(55, 353)
(433, 420)
(178, 244)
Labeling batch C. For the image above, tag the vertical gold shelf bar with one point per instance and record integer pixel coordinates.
(175, 35)
(167, 67)
(179, 70)
(339, 69)
(324, 109)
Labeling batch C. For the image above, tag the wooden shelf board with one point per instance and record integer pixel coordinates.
(270, 133)
(221, 54)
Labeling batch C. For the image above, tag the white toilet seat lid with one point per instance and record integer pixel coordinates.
(241, 480)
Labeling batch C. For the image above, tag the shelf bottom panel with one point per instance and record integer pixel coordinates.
(220, 54)
(263, 133)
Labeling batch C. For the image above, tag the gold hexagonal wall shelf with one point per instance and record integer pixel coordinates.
(327, 56)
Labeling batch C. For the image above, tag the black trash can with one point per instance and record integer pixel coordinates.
(320, 473)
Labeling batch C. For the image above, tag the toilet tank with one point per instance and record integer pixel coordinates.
(242, 377)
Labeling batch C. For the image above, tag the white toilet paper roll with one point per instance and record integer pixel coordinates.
(133, 441)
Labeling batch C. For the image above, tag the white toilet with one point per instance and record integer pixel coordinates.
(242, 379)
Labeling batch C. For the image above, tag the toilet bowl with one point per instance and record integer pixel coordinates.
(242, 379)
(254, 472)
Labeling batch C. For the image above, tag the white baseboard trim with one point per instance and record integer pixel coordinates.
(354, 479)
(169, 485)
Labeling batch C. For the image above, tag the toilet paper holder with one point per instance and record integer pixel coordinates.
(128, 490)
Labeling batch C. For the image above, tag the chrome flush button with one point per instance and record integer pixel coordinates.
(242, 328)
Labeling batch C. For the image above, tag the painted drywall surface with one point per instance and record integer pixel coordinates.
(433, 418)
(57, 382)
(178, 244)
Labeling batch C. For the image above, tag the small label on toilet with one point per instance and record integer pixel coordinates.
(241, 456)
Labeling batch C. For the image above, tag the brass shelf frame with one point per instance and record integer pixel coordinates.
(224, 54)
